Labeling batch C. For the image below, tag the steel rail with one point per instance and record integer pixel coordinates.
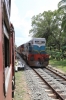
(57, 94)
(49, 66)
(56, 73)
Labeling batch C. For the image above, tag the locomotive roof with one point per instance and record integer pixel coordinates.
(32, 40)
(37, 39)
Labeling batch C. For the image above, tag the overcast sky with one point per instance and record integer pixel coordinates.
(22, 12)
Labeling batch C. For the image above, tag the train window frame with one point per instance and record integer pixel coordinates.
(7, 68)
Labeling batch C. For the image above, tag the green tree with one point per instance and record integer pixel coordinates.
(48, 25)
(62, 5)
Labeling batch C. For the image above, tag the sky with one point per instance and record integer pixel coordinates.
(21, 13)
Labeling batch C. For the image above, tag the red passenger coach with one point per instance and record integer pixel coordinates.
(7, 51)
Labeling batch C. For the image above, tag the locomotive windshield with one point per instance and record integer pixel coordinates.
(40, 42)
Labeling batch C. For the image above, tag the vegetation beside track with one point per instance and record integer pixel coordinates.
(58, 64)
(21, 91)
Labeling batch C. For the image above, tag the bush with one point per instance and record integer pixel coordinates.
(58, 55)
(55, 55)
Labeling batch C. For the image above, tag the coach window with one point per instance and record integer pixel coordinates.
(6, 62)
(6, 47)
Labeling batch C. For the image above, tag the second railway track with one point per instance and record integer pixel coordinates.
(53, 89)
(56, 74)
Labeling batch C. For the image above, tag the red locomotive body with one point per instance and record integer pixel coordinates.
(7, 56)
(38, 60)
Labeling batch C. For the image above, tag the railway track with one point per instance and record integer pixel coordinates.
(57, 71)
(56, 75)
(51, 88)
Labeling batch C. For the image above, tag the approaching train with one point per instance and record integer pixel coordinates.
(34, 52)
(7, 51)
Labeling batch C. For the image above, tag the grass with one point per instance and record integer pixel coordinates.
(21, 91)
(59, 64)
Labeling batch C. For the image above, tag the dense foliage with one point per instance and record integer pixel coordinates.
(62, 5)
(51, 25)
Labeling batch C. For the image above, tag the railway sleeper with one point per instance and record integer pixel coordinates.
(52, 95)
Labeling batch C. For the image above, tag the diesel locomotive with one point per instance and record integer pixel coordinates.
(34, 52)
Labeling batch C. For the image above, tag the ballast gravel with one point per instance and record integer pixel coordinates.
(57, 83)
(38, 92)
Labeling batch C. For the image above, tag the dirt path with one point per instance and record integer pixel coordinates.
(21, 92)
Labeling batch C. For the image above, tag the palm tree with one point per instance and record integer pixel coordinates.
(62, 5)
